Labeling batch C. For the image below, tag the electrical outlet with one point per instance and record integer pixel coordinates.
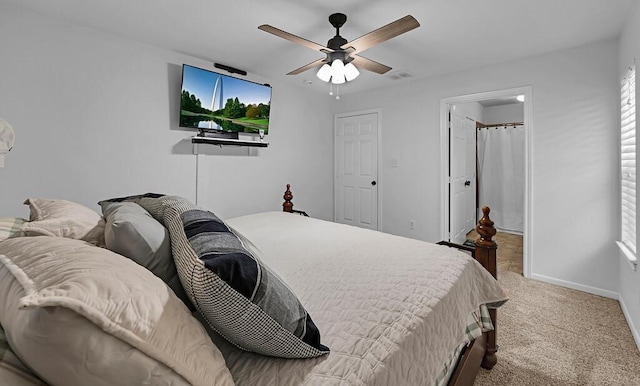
(412, 224)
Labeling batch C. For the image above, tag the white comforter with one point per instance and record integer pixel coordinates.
(391, 309)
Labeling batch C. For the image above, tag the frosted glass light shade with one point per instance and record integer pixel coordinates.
(350, 72)
(337, 79)
(324, 73)
(337, 72)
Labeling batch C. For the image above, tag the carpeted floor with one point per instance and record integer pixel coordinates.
(550, 335)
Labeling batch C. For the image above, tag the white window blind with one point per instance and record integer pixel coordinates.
(628, 158)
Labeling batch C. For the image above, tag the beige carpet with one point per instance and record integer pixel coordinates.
(550, 335)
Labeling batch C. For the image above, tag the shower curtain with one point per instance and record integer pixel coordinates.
(501, 175)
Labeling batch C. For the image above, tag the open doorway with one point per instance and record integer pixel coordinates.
(485, 146)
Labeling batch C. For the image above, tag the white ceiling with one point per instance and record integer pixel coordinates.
(454, 35)
(499, 101)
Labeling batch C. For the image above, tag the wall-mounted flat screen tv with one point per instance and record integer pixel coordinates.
(218, 103)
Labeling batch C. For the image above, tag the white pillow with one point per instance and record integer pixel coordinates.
(88, 316)
(50, 217)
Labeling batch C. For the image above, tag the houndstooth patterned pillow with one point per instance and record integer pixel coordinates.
(237, 294)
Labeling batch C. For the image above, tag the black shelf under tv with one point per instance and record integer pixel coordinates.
(227, 141)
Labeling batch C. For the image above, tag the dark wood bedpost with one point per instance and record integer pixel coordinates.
(486, 255)
(287, 206)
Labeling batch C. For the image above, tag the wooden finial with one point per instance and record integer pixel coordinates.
(486, 254)
(287, 206)
(486, 230)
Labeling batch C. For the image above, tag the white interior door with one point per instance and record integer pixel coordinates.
(462, 181)
(356, 160)
(471, 187)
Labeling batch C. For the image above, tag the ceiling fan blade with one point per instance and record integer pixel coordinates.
(370, 65)
(315, 63)
(382, 34)
(293, 38)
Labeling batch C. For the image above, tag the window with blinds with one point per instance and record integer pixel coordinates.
(628, 158)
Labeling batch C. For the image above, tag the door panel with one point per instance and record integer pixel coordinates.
(458, 164)
(356, 149)
(470, 217)
(348, 203)
(347, 150)
(366, 200)
(461, 176)
(366, 152)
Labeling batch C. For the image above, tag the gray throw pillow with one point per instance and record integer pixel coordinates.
(131, 232)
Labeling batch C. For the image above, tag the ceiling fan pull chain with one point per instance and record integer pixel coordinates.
(337, 92)
(330, 88)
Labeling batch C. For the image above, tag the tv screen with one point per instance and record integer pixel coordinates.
(216, 103)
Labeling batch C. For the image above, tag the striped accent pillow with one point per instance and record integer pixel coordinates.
(238, 295)
(11, 227)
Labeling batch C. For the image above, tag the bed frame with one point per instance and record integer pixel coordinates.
(482, 351)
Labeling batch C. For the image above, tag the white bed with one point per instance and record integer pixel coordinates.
(391, 310)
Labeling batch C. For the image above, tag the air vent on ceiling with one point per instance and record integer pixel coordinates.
(400, 74)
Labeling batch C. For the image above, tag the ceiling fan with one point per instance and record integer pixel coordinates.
(342, 56)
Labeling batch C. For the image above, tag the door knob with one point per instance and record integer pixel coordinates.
(467, 183)
(373, 183)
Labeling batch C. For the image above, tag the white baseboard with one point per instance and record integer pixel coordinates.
(579, 287)
(634, 330)
(512, 232)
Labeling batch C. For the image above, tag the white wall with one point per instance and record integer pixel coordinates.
(513, 112)
(300, 154)
(95, 116)
(574, 157)
(630, 280)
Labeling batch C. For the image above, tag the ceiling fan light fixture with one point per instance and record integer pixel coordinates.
(350, 72)
(324, 73)
(337, 72)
